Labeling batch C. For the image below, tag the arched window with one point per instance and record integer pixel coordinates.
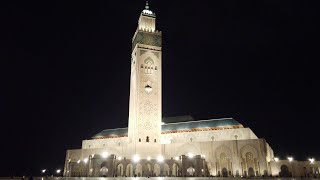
(147, 139)
(148, 66)
(139, 139)
(224, 164)
(155, 140)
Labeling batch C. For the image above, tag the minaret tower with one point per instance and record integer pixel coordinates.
(145, 88)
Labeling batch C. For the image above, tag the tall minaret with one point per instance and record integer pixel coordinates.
(145, 88)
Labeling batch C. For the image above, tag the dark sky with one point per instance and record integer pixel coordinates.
(67, 64)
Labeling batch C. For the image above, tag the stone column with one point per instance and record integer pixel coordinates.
(184, 165)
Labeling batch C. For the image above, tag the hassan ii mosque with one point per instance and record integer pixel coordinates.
(178, 146)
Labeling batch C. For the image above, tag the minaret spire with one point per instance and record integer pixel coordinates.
(147, 10)
(147, 5)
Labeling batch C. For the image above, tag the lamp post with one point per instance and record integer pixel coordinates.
(43, 171)
(58, 171)
(290, 161)
(311, 160)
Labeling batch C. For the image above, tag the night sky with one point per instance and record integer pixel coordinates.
(67, 67)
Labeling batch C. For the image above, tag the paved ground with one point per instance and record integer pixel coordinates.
(144, 178)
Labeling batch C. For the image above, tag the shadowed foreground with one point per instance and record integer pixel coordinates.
(143, 178)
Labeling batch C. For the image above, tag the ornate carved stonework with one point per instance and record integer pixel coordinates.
(148, 107)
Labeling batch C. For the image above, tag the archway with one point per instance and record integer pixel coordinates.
(224, 172)
(237, 173)
(166, 170)
(311, 171)
(305, 172)
(120, 170)
(250, 164)
(156, 170)
(103, 171)
(285, 171)
(148, 170)
(175, 169)
(138, 171)
(250, 172)
(129, 170)
(190, 171)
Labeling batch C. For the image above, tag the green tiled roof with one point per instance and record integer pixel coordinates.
(200, 124)
(112, 132)
(176, 125)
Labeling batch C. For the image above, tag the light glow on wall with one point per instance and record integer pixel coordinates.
(276, 159)
(119, 158)
(104, 154)
(136, 158)
(85, 160)
(176, 158)
(290, 159)
(148, 158)
(160, 158)
(190, 155)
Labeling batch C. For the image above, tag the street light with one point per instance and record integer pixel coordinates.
(58, 171)
(85, 160)
(290, 160)
(311, 160)
(276, 159)
(190, 155)
(136, 158)
(160, 158)
(104, 154)
(43, 171)
(176, 158)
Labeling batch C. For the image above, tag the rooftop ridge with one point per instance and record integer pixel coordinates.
(200, 121)
(114, 129)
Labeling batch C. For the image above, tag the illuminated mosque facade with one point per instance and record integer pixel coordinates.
(176, 146)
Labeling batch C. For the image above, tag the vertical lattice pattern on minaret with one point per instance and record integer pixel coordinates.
(145, 88)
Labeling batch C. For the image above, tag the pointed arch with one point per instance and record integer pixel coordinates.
(166, 170)
(248, 148)
(156, 170)
(138, 171)
(188, 148)
(223, 149)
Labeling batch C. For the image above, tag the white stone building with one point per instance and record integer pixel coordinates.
(178, 146)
